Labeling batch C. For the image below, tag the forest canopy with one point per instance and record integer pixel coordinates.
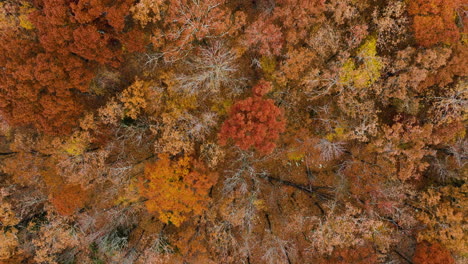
(216, 131)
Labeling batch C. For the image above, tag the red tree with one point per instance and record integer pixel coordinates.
(254, 122)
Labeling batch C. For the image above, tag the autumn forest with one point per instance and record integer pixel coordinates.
(233, 131)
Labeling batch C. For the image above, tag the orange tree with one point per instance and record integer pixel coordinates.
(49, 56)
(434, 21)
(175, 189)
(427, 253)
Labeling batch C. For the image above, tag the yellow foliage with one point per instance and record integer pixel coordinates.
(259, 204)
(24, 22)
(25, 10)
(365, 74)
(177, 104)
(77, 144)
(7, 215)
(130, 195)
(336, 135)
(268, 64)
(296, 155)
(168, 79)
(174, 189)
(222, 107)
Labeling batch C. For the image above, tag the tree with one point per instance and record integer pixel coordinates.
(261, 88)
(366, 74)
(264, 36)
(134, 98)
(254, 122)
(186, 21)
(47, 70)
(147, 11)
(53, 239)
(298, 17)
(93, 31)
(443, 215)
(175, 189)
(434, 21)
(68, 198)
(406, 143)
(353, 228)
(212, 69)
(427, 253)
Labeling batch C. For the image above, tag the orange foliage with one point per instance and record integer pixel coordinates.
(359, 255)
(427, 253)
(373, 159)
(406, 144)
(67, 199)
(434, 21)
(175, 189)
(94, 31)
(42, 81)
(265, 37)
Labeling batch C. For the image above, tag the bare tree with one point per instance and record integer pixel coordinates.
(213, 68)
(330, 150)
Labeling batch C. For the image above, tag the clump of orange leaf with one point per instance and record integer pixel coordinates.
(47, 71)
(443, 215)
(427, 253)
(265, 37)
(434, 21)
(355, 255)
(68, 199)
(176, 189)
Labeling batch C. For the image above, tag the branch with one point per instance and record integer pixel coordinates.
(313, 190)
(403, 257)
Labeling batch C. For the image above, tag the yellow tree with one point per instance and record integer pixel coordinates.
(175, 189)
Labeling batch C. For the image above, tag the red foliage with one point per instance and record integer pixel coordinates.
(434, 21)
(254, 122)
(427, 253)
(262, 88)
